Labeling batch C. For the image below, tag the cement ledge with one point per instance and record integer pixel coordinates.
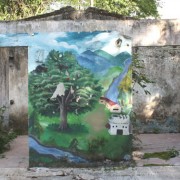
(160, 172)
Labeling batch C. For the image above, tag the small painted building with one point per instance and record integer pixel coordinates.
(119, 125)
(112, 106)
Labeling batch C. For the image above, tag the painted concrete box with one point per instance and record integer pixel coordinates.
(79, 97)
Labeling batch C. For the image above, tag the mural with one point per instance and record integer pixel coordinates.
(79, 97)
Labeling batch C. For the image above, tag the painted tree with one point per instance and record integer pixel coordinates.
(61, 85)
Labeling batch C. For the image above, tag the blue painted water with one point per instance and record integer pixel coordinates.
(113, 91)
(57, 153)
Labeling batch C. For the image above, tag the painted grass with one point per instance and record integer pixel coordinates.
(99, 144)
(72, 119)
(52, 136)
(64, 139)
(115, 147)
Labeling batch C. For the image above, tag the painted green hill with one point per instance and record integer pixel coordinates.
(104, 54)
(110, 75)
(115, 60)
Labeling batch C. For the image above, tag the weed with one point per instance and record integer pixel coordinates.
(6, 135)
(166, 155)
(147, 165)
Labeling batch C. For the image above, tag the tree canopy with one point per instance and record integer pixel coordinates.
(136, 8)
(18, 9)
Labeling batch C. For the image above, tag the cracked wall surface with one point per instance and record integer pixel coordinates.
(162, 65)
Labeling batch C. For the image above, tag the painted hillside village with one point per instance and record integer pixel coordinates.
(118, 124)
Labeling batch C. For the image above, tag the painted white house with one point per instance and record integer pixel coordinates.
(112, 106)
(119, 125)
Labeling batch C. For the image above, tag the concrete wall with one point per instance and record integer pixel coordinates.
(4, 82)
(157, 43)
(143, 32)
(162, 65)
(18, 88)
(14, 86)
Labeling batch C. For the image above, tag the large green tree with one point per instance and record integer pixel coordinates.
(17, 9)
(137, 8)
(61, 85)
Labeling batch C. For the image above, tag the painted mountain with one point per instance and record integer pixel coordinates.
(100, 61)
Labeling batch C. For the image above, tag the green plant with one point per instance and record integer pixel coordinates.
(135, 8)
(18, 9)
(11, 9)
(166, 155)
(147, 165)
(139, 77)
(2, 110)
(6, 135)
(156, 130)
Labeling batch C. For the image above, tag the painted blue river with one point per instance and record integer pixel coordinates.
(57, 153)
(113, 91)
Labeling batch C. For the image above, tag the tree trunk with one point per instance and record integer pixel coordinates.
(92, 3)
(63, 117)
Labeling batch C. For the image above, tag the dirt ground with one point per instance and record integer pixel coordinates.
(159, 143)
(17, 156)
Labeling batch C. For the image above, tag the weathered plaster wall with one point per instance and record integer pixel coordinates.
(161, 61)
(14, 86)
(4, 79)
(18, 88)
(143, 32)
(162, 65)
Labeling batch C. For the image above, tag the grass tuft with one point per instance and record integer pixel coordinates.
(166, 155)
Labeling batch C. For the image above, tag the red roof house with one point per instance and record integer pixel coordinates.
(112, 106)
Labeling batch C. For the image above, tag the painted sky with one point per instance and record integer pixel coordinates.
(40, 44)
